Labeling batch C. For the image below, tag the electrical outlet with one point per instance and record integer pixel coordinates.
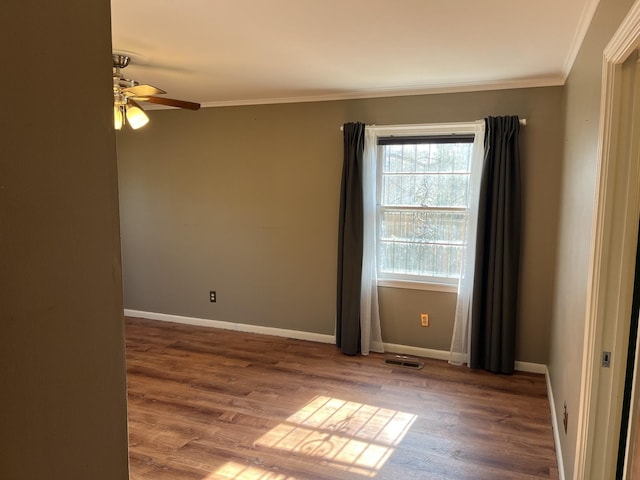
(212, 296)
(424, 319)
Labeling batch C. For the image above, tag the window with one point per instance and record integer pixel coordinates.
(423, 185)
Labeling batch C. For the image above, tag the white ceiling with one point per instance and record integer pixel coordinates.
(225, 52)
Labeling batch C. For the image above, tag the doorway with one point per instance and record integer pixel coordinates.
(612, 265)
(628, 458)
(628, 465)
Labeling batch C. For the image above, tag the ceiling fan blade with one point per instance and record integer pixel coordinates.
(173, 103)
(133, 103)
(142, 91)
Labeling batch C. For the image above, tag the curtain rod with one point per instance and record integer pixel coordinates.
(523, 122)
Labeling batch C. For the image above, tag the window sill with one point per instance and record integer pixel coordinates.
(408, 285)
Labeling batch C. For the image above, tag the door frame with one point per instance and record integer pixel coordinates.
(610, 283)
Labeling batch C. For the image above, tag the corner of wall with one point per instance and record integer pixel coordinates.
(555, 426)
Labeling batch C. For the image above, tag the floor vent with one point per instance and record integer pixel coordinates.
(403, 361)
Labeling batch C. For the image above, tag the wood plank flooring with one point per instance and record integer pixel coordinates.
(209, 404)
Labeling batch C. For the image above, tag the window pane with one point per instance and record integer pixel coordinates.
(426, 190)
(392, 158)
(462, 157)
(423, 242)
(431, 260)
(425, 158)
(421, 226)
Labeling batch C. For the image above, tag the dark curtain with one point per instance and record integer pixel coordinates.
(495, 290)
(350, 236)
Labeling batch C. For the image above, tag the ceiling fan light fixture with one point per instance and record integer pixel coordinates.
(136, 117)
(126, 94)
(118, 118)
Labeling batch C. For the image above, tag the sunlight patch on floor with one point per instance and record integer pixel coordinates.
(237, 471)
(349, 436)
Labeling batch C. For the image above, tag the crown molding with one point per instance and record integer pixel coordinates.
(552, 81)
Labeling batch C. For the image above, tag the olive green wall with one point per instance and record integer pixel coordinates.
(400, 317)
(62, 370)
(244, 200)
(583, 96)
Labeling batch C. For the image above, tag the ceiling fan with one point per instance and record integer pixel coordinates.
(127, 93)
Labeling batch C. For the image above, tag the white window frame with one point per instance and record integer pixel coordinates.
(416, 282)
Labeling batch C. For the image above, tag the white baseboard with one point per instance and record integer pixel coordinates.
(313, 337)
(238, 327)
(555, 426)
(529, 367)
(445, 355)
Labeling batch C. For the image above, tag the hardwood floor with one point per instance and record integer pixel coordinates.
(211, 404)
